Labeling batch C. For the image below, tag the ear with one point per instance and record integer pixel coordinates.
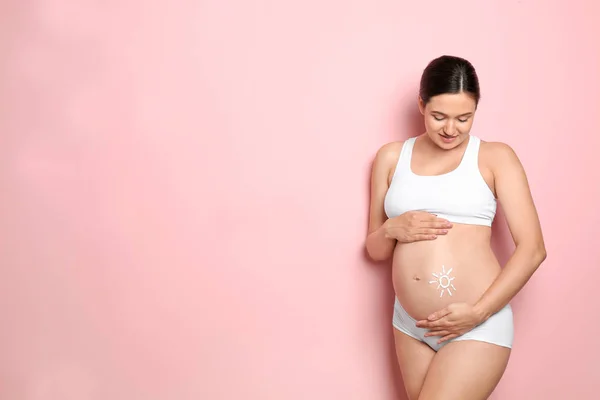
(421, 105)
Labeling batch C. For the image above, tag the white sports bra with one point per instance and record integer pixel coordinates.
(460, 196)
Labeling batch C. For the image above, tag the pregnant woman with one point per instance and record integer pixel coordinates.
(433, 200)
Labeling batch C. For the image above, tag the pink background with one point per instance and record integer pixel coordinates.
(185, 191)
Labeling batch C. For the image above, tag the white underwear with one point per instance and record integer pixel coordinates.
(498, 329)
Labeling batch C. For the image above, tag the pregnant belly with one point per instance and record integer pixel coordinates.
(457, 267)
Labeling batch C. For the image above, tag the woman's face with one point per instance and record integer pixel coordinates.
(448, 118)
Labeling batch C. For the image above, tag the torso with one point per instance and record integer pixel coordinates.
(462, 191)
(464, 254)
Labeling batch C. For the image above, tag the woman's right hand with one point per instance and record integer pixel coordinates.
(414, 226)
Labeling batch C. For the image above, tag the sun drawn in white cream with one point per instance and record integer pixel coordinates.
(444, 281)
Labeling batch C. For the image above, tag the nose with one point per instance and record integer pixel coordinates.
(450, 128)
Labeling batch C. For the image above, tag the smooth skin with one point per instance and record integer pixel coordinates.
(464, 369)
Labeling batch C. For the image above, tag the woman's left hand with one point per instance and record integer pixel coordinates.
(454, 320)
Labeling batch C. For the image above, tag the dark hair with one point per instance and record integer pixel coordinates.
(449, 74)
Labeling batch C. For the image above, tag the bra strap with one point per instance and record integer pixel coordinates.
(403, 164)
(472, 153)
(406, 153)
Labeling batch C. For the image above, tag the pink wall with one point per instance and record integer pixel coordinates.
(184, 191)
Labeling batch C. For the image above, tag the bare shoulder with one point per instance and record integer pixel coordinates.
(389, 153)
(499, 155)
(385, 161)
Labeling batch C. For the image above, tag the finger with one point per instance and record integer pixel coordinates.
(424, 216)
(448, 337)
(431, 231)
(434, 218)
(438, 224)
(439, 324)
(424, 237)
(444, 222)
(432, 325)
(439, 314)
(423, 324)
(437, 333)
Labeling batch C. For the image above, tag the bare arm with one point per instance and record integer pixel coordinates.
(384, 233)
(513, 193)
(379, 245)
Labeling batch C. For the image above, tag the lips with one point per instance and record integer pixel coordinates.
(448, 138)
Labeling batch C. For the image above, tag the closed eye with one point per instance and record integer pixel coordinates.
(438, 118)
(461, 118)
